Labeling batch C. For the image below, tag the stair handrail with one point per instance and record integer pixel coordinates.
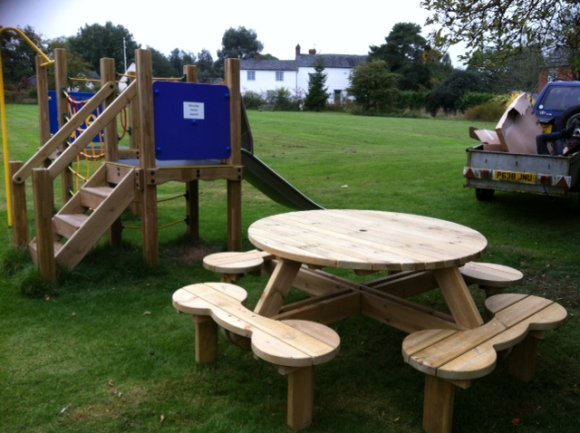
(44, 152)
(107, 115)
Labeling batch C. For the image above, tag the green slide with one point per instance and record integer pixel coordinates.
(273, 185)
(267, 180)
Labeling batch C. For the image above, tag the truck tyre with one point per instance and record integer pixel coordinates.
(570, 120)
(483, 194)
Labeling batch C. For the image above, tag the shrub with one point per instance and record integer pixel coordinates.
(489, 111)
(252, 100)
(281, 100)
(472, 99)
(412, 100)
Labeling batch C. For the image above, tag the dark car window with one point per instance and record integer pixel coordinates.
(561, 98)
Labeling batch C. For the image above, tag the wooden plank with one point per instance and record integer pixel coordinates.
(99, 221)
(384, 240)
(235, 233)
(86, 137)
(277, 288)
(272, 340)
(190, 173)
(438, 405)
(405, 284)
(43, 207)
(206, 344)
(405, 316)
(232, 79)
(92, 197)
(192, 186)
(490, 274)
(458, 298)
(67, 224)
(300, 398)
(147, 156)
(325, 309)
(107, 66)
(19, 210)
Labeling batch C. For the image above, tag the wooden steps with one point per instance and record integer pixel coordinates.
(88, 214)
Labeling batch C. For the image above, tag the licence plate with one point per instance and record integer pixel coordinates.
(515, 176)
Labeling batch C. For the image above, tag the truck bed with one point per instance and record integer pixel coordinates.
(539, 174)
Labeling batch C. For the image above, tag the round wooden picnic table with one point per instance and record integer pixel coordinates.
(368, 240)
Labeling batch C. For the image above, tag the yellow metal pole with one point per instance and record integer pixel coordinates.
(5, 151)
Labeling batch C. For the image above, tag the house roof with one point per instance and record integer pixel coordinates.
(348, 61)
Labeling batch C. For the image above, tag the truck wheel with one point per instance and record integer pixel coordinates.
(570, 119)
(484, 194)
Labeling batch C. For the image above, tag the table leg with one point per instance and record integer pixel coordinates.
(277, 288)
(458, 298)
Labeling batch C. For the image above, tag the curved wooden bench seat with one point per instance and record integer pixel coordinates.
(231, 265)
(296, 345)
(452, 358)
(490, 277)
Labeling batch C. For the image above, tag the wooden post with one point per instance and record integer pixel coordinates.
(61, 79)
(192, 187)
(523, 357)
(438, 405)
(206, 339)
(19, 210)
(42, 98)
(111, 141)
(232, 78)
(111, 138)
(300, 398)
(43, 206)
(147, 156)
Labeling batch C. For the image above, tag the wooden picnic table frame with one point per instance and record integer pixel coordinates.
(424, 253)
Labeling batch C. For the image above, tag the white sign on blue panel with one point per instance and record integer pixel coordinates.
(192, 121)
(194, 110)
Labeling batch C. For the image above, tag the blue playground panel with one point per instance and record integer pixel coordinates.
(192, 121)
(53, 113)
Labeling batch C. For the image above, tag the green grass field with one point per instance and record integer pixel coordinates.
(106, 352)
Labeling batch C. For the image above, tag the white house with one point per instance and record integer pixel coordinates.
(260, 76)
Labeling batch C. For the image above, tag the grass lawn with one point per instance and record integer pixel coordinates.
(106, 352)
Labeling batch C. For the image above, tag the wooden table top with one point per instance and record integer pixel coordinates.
(367, 240)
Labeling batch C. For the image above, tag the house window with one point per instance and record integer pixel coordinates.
(279, 75)
(251, 75)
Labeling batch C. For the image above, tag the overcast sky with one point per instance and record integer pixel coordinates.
(331, 27)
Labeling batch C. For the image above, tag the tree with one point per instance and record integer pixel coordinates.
(18, 56)
(404, 52)
(240, 43)
(503, 26)
(162, 67)
(205, 67)
(448, 95)
(374, 86)
(317, 92)
(179, 58)
(93, 42)
(519, 71)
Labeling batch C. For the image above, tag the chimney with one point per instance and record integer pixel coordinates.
(312, 51)
(297, 50)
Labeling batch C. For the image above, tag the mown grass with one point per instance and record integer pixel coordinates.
(104, 351)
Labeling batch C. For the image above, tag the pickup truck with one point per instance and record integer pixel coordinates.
(512, 158)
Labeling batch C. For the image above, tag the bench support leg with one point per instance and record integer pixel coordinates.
(206, 332)
(300, 397)
(438, 405)
(522, 359)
